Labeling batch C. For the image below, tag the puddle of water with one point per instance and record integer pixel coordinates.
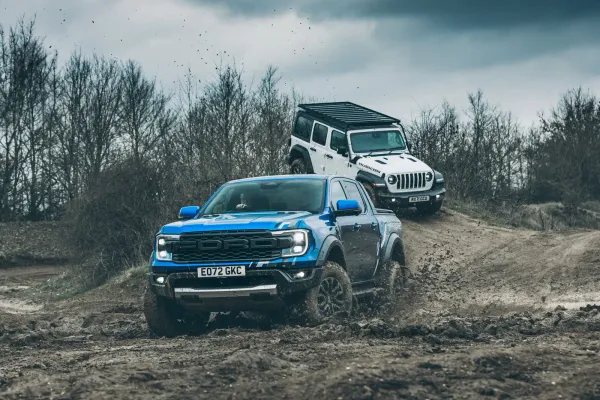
(8, 289)
(17, 307)
(571, 305)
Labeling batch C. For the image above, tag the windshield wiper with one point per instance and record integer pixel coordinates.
(392, 150)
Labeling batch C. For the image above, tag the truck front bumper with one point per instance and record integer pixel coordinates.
(434, 195)
(259, 290)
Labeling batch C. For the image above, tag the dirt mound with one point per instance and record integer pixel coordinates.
(32, 243)
(467, 267)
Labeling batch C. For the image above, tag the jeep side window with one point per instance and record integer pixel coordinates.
(302, 128)
(354, 194)
(336, 193)
(338, 140)
(319, 135)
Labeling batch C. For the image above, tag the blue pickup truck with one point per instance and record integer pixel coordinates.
(303, 246)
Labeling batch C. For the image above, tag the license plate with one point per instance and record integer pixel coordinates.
(418, 199)
(217, 272)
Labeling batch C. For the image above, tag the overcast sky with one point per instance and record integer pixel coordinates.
(396, 56)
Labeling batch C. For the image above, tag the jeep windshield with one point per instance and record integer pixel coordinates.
(375, 141)
(275, 195)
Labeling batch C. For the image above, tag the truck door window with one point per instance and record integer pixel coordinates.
(354, 194)
(338, 140)
(319, 135)
(302, 128)
(336, 193)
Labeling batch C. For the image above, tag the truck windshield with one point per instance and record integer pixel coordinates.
(377, 141)
(269, 196)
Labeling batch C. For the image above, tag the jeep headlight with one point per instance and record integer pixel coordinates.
(428, 176)
(392, 179)
(163, 248)
(294, 242)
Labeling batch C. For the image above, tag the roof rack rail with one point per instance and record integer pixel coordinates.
(348, 115)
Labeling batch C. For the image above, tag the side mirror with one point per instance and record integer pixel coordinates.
(188, 212)
(348, 207)
(342, 151)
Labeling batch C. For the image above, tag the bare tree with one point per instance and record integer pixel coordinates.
(228, 123)
(145, 114)
(273, 125)
(72, 121)
(571, 147)
(100, 123)
(25, 71)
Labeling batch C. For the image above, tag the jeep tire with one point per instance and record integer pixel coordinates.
(429, 208)
(331, 296)
(299, 166)
(371, 192)
(167, 318)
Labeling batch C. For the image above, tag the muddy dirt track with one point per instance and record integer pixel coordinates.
(492, 313)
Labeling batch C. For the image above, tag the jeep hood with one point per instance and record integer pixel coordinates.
(237, 221)
(392, 164)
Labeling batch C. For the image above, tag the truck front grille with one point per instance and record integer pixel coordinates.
(414, 180)
(225, 246)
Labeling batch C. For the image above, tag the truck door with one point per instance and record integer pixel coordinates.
(337, 164)
(317, 147)
(368, 233)
(356, 233)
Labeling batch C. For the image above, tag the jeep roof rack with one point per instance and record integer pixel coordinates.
(348, 115)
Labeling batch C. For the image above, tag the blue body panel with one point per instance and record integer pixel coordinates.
(321, 226)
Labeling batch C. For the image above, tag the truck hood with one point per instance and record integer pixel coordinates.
(237, 221)
(392, 164)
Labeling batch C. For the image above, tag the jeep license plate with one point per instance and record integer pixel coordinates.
(418, 199)
(219, 272)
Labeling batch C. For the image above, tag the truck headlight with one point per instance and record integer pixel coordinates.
(296, 242)
(428, 176)
(392, 179)
(163, 247)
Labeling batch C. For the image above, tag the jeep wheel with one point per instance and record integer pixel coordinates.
(429, 208)
(166, 318)
(332, 296)
(372, 195)
(299, 166)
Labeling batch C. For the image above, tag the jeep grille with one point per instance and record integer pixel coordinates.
(414, 180)
(226, 246)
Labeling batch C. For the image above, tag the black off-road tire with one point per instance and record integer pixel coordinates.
(315, 306)
(371, 192)
(299, 166)
(166, 318)
(392, 281)
(429, 208)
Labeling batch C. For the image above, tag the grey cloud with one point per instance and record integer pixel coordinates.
(465, 50)
(445, 34)
(458, 15)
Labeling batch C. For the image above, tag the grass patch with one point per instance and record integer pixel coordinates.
(591, 206)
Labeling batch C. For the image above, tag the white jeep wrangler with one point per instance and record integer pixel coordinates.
(346, 139)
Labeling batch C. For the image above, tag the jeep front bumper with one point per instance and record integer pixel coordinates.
(258, 290)
(435, 195)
